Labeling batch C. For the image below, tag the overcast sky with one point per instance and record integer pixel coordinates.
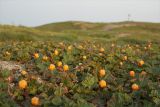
(37, 12)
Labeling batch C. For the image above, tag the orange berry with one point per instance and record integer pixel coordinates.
(51, 67)
(23, 72)
(22, 84)
(56, 52)
(100, 54)
(65, 68)
(149, 46)
(135, 87)
(121, 63)
(35, 101)
(102, 72)
(101, 50)
(61, 43)
(45, 58)
(59, 64)
(36, 55)
(145, 48)
(140, 63)
(80, 47)
(70, 47)
(125, 58)
(84, 57)
(7, 53)
(132, 73)
(102, 84)
(113, 45)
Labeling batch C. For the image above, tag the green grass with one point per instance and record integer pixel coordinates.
(79, 31)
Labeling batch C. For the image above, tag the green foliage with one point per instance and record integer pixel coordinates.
(129, 32)
(89, 81)
(79, 85)
(5, 73)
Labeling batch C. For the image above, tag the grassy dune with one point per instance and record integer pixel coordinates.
(79, 31)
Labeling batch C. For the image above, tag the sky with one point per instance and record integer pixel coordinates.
(38, 12)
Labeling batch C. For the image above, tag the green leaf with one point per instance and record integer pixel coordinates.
(57, 101)
(119, 100)
(3, 85)
(5, 73)
(84, 103)
(58, 91)
(156, 100)
(33, 90)
(41, 66)
(88, 81)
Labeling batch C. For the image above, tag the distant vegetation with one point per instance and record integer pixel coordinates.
(78, 31)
